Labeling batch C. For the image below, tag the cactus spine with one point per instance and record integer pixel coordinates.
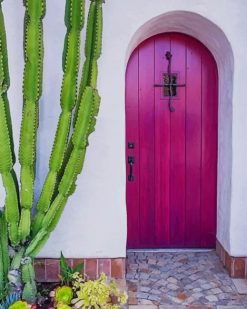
(74, 20)
(67, 157)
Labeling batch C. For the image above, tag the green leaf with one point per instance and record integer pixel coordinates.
(78, 268)
(63, 265)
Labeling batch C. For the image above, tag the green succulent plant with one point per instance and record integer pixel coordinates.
(19, 305)
(64, 295)
(63, 306)
(21, 232)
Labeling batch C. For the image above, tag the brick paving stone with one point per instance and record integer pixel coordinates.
(197, 295)
(143, 307)
(227, 289)
(172, 307)
(132, 301)
(172, 286)
(144, 276)
(152, 261)
(144, 289)
(199, 307)
(241, 285)
(229, 307)
(172, 280)
(142, 295)
(155, 292)
(216, 291)
(145, 302)
(206, 286)
(154, 297)
(188, 287)
(197, 290)
(211, 298)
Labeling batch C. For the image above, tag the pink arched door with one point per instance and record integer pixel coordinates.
(171, 144)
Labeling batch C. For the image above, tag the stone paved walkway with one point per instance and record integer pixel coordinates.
(181, 279)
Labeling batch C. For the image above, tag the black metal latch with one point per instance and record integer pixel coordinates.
(170, 83)
(131, 161)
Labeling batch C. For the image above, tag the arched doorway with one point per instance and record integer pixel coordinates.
(171, 143)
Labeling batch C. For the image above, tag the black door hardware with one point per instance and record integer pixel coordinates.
(131, 161)
(170, 83)
(131, 145)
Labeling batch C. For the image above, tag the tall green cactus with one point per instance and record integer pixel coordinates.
(93, 47)
(67, 157)
(87, 110)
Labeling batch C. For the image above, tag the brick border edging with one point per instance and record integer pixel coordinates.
(236, 266)
(47, 270)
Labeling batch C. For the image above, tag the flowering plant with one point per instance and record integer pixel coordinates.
(81, 294)
(98, 294)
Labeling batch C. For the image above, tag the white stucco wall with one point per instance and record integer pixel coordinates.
(94, 222)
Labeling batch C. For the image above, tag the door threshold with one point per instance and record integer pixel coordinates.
(169, 250)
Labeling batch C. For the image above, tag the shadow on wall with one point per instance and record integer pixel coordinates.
(216, 41)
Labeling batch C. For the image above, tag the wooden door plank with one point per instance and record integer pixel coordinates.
(193, 144)
(132, 135)
(177, 147)
(209, 150)
(146, 140)
(162, 146)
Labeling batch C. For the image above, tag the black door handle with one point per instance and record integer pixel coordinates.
(131, 161)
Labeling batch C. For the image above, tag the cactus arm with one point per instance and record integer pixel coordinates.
(11, 205)
(74, 20)
(14, 273)
(84, 126)
(28, 279)
(32, 84)
(7, 79)
(7, 156)
(4, 47)
(2, 276)
(4, 254)
(93, 49)
(6, 152)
